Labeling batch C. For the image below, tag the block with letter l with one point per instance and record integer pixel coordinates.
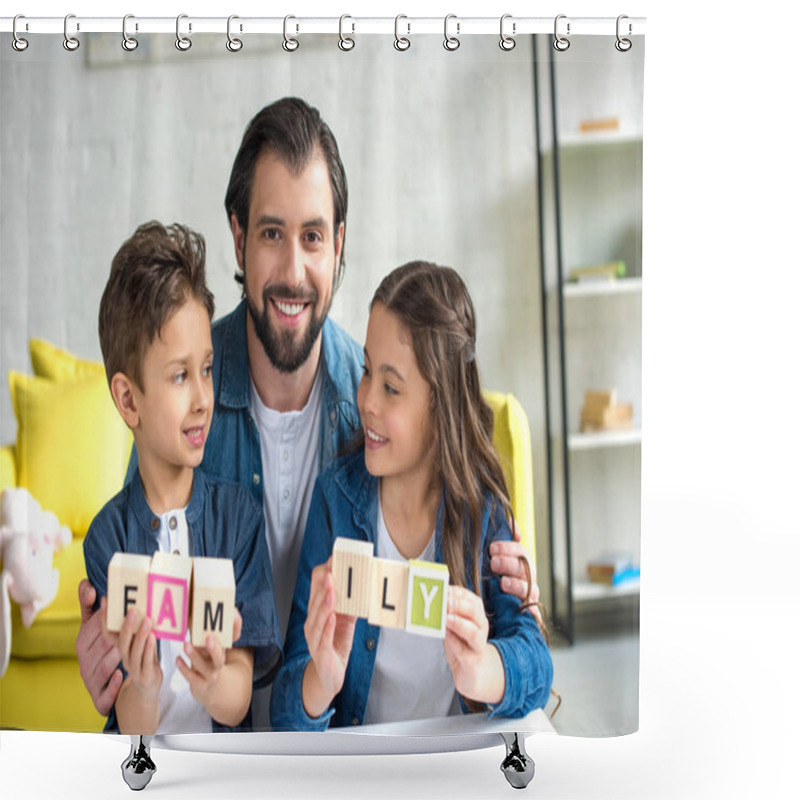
(388, 593)
(127, 588)
(213, 600)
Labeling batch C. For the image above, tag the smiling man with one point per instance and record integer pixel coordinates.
(285, 375)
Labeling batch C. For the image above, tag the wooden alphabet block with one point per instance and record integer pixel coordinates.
(213, 600)
(387, 605)
(352, 565)
(168, 595)
(127, 587)
(427, 598)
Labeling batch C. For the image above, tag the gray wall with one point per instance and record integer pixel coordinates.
(438, 147)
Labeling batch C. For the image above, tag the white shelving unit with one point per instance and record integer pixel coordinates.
(591, 206)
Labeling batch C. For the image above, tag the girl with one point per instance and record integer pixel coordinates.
(423, 483)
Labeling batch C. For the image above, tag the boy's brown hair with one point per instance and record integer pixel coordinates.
(152, 275)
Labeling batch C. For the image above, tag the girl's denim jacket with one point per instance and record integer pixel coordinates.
(345, 503)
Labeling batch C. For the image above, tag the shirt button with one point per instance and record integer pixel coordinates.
(285, 455)
(370, 643)
(333, 416)
(355, 721)
(173, 523)
(256, 479)
(286, 494)
(154, 524)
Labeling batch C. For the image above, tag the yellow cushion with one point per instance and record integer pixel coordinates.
(512, 441)
(72, 446)
(49, 361)
(8, 467)
(46, 695)
(55, 628)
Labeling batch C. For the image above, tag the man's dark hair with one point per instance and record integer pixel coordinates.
(152, 275)
(292, 130)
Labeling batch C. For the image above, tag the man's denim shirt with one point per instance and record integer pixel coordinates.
(345, 503)
(223, 522)
(233, 450)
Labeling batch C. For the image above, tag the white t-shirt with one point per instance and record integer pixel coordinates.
(411, 678)
(290, 463)
(179, 712)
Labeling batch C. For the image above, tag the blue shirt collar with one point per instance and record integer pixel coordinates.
(150, 521)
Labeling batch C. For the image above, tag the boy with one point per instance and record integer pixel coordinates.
(155, 335)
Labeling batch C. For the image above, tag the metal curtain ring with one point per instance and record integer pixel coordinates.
(18, 43)
(400, 42)
(623, 45)
(70, 42)
(183, 43)
(507, 42)
(129, 43)
(561, 43)
(289, 44)
(233, 44)
(346, 43)
(451, 42)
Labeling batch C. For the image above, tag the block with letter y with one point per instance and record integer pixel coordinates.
(427, 598)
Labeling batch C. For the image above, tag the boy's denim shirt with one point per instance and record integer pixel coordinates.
(223, 522)
(233, 451)
(345, 503)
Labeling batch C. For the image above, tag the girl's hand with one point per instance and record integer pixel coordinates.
(476, 665)
(507, 558)
(137, 646)
(207, 663)
(329, 637)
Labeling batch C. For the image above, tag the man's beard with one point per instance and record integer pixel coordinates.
(284, 353)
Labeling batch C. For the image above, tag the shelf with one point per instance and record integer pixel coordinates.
(593, 441)
(586, 591)
(574, 141)
(603, 287)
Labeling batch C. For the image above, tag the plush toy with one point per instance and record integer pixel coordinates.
(28, 539)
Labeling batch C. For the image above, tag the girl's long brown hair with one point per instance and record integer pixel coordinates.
(435, 307)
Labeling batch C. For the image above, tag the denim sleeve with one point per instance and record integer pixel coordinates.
(255, 597)
(527, 664)
(286, 706)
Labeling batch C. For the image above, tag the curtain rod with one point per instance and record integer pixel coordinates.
(73, 25)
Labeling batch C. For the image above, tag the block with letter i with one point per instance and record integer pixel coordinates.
(352, 569)
(168, 595)
(127, 588)
(213, 600)
(388, 593)
(427, 598)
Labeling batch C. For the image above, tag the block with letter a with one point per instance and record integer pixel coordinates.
(168, 595)
(352, 567)
(127, 588)
(427, 598)
(388, 593)
(213, 600)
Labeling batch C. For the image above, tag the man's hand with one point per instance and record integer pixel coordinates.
(508, 561)
(98, 658)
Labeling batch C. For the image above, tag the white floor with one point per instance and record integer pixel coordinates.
(598, 680)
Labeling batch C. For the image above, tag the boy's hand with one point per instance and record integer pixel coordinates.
(476, 665)
(98, 657)
(207, 663)
(329, 637)
(137, 645)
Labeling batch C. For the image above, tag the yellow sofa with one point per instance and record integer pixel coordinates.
(72, 462)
